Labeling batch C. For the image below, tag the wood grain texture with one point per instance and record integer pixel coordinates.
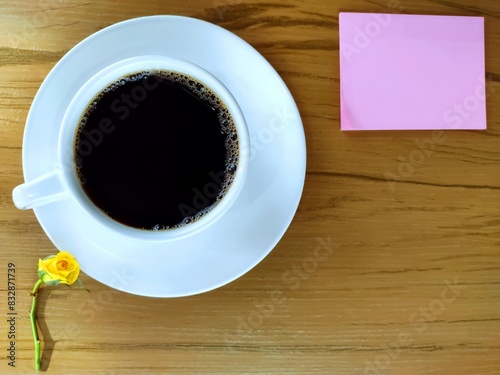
(409, 282)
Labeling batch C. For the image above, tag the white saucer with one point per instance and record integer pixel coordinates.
(262, 212)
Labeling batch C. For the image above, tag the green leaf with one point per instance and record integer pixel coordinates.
(51, 282)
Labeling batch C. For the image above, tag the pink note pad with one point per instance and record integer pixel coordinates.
(404, 72)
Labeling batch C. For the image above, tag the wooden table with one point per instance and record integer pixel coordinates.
(410, 286)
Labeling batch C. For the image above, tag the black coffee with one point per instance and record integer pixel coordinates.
(156, 150)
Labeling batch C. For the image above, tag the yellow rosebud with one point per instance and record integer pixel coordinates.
(60, 268)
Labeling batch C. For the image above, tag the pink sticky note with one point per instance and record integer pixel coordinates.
(403, 72)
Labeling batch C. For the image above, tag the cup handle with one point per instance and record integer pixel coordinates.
(42, 190)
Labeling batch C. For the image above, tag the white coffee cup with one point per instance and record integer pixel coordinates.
(63, 182)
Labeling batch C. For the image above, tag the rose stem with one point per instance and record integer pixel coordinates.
(33, 324)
